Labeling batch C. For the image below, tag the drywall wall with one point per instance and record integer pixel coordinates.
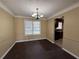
(7, 31)
(19, 22)
(20, 35)
(50, 32)
(71, 30)
(43, 29)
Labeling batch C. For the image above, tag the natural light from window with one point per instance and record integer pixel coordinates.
(32, 27)
(59, 25)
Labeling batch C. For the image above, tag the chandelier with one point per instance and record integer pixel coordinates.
(37, 15)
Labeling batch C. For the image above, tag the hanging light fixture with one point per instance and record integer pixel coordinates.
(37, 15)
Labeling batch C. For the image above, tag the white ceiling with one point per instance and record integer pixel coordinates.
(27, 7)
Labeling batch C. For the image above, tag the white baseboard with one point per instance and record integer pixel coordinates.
(29, 40)
(50, 41)
(66, 50)
(7, 51)
(18, 42)
(70, 53)
(34, 40)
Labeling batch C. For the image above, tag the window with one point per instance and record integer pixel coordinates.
(59, 25)
(32, 27)
(36, 27)
(28, 27)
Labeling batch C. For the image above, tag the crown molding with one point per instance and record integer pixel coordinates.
(22, 17)
(59, 13)
(44, 18)
(6, 9)
(65, 10)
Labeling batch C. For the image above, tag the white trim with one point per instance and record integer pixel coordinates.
(34, 40)
(61, 12)
(50, 41)
(29, 40)
(8, 51)
(66, 50)
(65, 10)
(70, 53)
(18, 42)
(23, 17)
(6, 9)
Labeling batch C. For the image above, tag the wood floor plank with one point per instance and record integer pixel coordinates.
(39, 49)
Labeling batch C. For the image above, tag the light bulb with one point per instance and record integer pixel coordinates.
(41, 15)
(34, 14)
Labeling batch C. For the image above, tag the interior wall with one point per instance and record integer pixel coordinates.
(20, 30)
(71, 30)
(50, 30)
(7, 31)
(43, 29)
(19, 22)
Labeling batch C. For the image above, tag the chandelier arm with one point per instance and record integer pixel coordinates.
(37, 15)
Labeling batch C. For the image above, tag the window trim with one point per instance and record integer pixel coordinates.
(32, 27)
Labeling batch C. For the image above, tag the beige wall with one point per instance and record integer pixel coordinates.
(20, 30)
(71, 31)
(43, 29)
(50, 32)
(7, 31)
(19, 22)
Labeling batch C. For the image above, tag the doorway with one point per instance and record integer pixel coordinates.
(58, 31)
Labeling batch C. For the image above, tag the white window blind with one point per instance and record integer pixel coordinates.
(28, 27)
(32, 27)
(36, 27)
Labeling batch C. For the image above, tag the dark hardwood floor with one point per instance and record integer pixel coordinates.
(39, 49)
